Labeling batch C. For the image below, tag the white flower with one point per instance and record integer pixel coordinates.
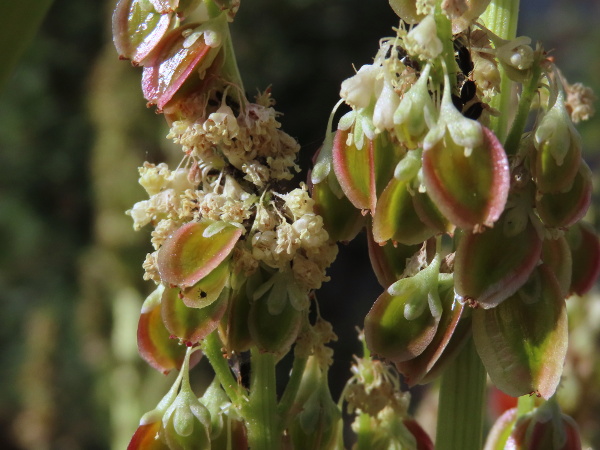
(422, 41)
(360, 89)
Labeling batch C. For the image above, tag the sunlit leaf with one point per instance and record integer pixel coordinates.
(523, 344)
(191, 325)
(490, 266)
(470, 190)
(187, 255)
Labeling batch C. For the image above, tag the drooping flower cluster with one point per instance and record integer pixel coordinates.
(417, 153)
(237, 251)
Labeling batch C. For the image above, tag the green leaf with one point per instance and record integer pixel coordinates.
(523, 344)
(187, 256)
(19, 22)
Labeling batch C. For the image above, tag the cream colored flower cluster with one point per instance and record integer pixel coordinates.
(230, 165)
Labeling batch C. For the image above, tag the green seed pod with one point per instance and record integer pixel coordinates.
(523, 341)
(154, 342)
(194, 250)
(491, 266)
(545, 428)
(404, 319)
(191, 325)
(138, 28)
(585, 254)
(469, 186)
(396, 218)
(564, 209)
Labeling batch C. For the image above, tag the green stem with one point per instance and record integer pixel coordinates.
(212, 349)
(461, 410)
(260, 412)
(291, 389)
(511, 146)
(501, 18)
(444, 32)
(526, 404)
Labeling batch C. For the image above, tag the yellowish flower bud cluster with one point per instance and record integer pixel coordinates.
(229, 165)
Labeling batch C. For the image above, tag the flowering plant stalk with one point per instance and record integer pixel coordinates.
(472, 218)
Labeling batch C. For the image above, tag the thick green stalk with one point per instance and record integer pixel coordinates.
(260, 412)
(212, 349)
(501, 18)
(461, 409)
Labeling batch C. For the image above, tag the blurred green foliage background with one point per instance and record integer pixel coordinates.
(73, 129)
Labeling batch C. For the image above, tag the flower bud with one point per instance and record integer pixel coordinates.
(415, 110)
(516, 57)
(545, 428)
(316, 424)
(186, 422)
(385, 106)
(558, 145)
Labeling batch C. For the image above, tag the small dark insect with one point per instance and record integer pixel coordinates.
(468, 91)
(474, 111)
(203, 294)
(463, 55)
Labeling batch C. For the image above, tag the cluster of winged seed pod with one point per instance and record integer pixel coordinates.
(237, 251)
(469, 235)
